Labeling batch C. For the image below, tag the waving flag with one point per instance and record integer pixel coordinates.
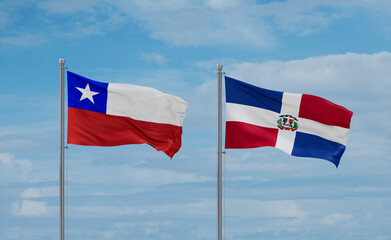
(111, 114)
(299, 124)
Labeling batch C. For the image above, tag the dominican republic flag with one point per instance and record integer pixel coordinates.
(299, 124)
(112, 114)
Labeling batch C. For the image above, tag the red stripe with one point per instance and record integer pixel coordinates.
(244, 135)
(324, 111)
(98, 129)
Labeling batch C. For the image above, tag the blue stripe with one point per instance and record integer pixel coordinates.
(307, 145)
(74, 95)
(247, 94)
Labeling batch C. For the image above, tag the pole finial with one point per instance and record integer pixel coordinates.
(219, 67)
(61, 61)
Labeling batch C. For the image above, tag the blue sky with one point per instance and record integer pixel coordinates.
(339, 50)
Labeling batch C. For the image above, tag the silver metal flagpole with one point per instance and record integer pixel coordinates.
(62, 147)
(219, 152)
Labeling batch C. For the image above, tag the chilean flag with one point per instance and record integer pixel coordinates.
(299, 124)
(112, 114)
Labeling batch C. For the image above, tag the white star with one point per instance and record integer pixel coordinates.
(87, 93)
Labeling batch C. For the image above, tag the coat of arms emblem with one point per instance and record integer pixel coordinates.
(287, 122)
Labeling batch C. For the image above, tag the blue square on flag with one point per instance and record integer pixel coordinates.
(86, 94)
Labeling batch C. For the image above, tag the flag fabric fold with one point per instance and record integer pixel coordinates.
(112, 114)
(299, 124)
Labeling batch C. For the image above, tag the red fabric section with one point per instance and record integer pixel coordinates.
(244, 135)
(98, 129)
(324, 111)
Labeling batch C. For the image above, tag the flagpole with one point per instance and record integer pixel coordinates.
(219, 153)
(62, 147)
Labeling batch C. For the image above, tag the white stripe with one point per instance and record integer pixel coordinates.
(285, 140)
(252, 115)
(145, 104)
(290, 106)
(332, 133)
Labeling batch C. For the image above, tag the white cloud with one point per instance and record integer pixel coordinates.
(23, 40)
(100, 194)
(71, 6)
(109, 234)
(27, 136)
(200, 207)
(190, 23)
(29, 208)
(54, 19)
(243, 208)
(107, 211)
(146, 228)
(35, 128)
(14, 142)
(154, 177)
(361, 74)
(40, 192)
(222, 3)
(216, 22)
(248, 208)
(91, 25)
(157, 171)
(154, 58)
(366, 189)
(336, 219)
(202, 102)
(12, 169)
(302, 17)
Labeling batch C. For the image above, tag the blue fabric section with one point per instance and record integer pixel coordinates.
(307, 145)
(247, 94)
(74, 95)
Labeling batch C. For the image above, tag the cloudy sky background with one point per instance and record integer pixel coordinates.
(339, 50)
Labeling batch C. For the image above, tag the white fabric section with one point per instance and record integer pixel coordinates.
(290, 106)
(332, 133)
(285, 140)
(145, 104)
(252, 115)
